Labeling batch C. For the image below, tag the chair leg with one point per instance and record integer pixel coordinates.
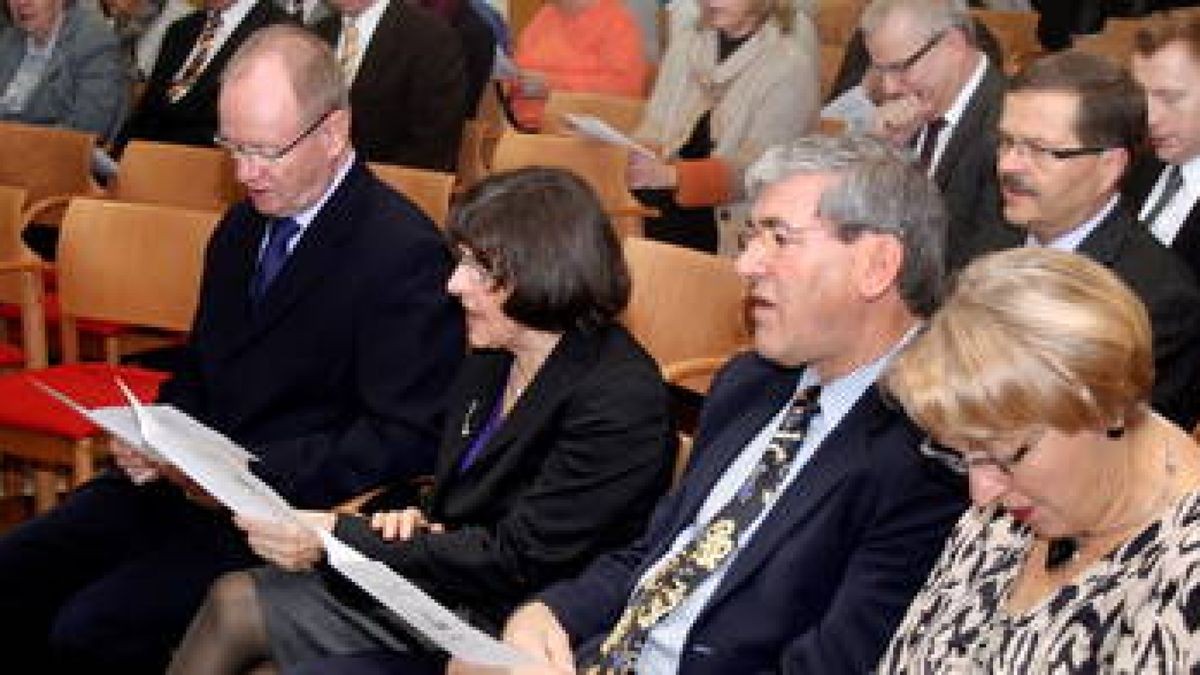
(45, 489)
(84, 462)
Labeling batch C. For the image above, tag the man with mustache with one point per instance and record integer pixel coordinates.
(1070, 124)
(1166, 62)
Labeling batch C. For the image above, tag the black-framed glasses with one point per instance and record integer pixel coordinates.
(269, 155)
(902, 66)
(961, 463)
(470, 261)
(1031, 149)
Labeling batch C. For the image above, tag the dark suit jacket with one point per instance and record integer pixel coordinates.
(1167, 288)
(335, 380)
(1138, 186)
(966, 172)
(408, 100)
(192, 120)
(827, 576)
(572, 472)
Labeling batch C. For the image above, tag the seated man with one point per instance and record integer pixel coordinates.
(180, 101)
(1071, 122)
(323, 341)
(807, 518)
(61, 66)
(407, 77)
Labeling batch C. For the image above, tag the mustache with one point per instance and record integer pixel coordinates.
(1014, 183)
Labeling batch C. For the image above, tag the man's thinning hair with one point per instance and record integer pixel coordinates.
(311, 66)
(877, 191)
(1111, 110)
(1164, 28)
(933, 15)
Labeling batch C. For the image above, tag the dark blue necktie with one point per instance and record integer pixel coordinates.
(274, 256)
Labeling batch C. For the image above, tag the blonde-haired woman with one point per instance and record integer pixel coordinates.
(1082, 550)
(741, 78)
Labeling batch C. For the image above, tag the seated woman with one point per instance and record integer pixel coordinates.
(61, 66)
(556, 446)
(1082, 551)
(592, 46)
(731, 85)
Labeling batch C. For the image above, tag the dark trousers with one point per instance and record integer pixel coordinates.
(373, 663)
(109, 580)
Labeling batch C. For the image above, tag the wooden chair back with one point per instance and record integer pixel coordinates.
(622, 112)
(685, 306)
(1015, 31)
(20, 278)
(46, 161)
(1114, 42)
(600, 164)
(132, 263)
(429, 190)
(831, 63)
(837, 20)
(176, 175)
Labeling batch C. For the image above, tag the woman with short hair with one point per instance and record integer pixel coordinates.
(556, 446)
(1082, 550)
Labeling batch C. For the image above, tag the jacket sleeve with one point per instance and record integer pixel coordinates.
(99, 79)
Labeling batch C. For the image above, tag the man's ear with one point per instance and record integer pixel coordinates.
(878, 260)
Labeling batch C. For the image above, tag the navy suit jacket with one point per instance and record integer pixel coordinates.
(335, 381)
(1138, 187)
(827, 576)
(192, 120)
(408, 100)
(573, 471)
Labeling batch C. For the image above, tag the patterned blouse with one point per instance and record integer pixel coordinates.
(1137, 610)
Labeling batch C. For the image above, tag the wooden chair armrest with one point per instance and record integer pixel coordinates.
(53, 207)
(354, 505)
(635, 210)
(33, 310)
(693, 374)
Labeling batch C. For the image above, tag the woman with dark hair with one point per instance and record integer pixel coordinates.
(556, 446)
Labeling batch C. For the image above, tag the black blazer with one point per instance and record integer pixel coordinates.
(408, 99)
(827, 576)
(336, 380)
(1168, 289)
(966, 172)
(1138, 186)
(572, 472)
(192, 120)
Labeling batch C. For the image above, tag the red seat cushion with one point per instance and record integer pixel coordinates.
(90, 326)
(11, 355)
(92, 385)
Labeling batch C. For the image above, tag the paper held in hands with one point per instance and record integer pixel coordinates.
(221, 467)
(598, 129)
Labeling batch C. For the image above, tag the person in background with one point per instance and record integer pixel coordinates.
(61, 66)
(1081, 552)
(740, 79)
(577, 45)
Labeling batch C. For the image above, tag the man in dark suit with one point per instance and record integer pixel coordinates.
(408, 81)
(1071, 122)
(1164, 190)
(322, 343)
(942, 96)
(179, 104)
(806, 520)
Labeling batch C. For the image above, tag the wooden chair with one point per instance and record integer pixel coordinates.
(600, 164)
(430, 190)
(622, 112)
(1015, 31)
(837, 20)
(48, 162)
(131, 263)
(1114, 42)
(687, 309)
(20, 287)
(831, 63)
(176, 175)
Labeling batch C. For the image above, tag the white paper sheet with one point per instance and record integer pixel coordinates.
(594, 127)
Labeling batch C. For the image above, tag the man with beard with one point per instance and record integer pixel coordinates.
(1070, 124)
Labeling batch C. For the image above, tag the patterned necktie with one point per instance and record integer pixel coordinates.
(933, 130)
(679, 576)
(191, 72)
(274, 256)
(348, 58)
(1170, 189)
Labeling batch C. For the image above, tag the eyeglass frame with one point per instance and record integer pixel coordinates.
(902, 66)
(786, 235)
(468, 259)
(270, 156)
(1035, 151)
(960, 463)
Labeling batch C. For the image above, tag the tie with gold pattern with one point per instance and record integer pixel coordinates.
(679, 576)
(348, 55)
(191, 72)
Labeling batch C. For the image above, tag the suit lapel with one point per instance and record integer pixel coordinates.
(482, 393)
(374, 59)
(842, 450)
(1105, 242)
(971, 126)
